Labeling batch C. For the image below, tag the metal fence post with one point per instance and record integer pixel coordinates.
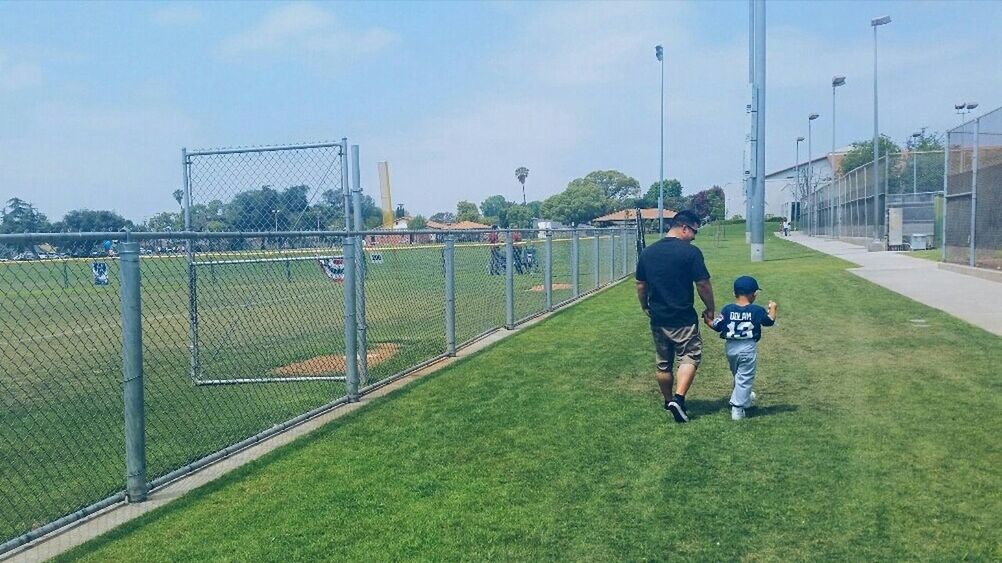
(363, 326)
(450, 295)
(132, 372)
(509, 280)
(548, 269)
(575, 275)
(612, 255)
(66, 275)
(626, 249)
(946, 187)
(350, 320)
(288, 271)
(972, 260)
(598, 249)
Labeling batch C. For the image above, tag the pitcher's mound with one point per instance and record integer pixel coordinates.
(335, 364)
(556, 286)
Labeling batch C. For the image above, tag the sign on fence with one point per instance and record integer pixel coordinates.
(333, 267)
(100, 270)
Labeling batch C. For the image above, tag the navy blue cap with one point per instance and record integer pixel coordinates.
(745, 285)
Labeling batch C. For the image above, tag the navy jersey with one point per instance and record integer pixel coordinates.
(736, 322)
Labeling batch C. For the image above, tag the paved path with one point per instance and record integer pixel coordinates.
(972, 299)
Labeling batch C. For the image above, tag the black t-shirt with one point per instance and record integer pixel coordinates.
(669, 267)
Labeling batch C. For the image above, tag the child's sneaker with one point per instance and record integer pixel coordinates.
(751, 400)
(737, 413)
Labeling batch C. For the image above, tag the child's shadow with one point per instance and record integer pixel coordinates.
(705, 407)
(770, 410)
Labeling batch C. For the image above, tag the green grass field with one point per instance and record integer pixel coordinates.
(61, 425)
(876, 438)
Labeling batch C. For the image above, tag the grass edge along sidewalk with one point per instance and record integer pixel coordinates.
(874, 439)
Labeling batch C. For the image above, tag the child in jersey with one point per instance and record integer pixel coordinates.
(740, 324)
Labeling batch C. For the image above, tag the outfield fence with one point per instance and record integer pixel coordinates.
(125, 372)
(972, 232)
(908, 188)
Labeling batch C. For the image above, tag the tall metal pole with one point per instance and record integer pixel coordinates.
(876, 136)
(799, 192)
(132, 372)
(810, 176)
(575, 264)
(833, 119)
(189, 248)
(597, 245)
(661, 176)
(548, 269)
(363, 328)
(758, 202)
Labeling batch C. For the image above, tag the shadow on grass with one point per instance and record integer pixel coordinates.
(800, 256)
(771, 410)
(705, 407)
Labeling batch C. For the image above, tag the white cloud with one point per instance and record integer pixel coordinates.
(307, 29)
(18, 75)
(177, 14)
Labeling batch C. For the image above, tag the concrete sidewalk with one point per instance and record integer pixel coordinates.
(977, 301)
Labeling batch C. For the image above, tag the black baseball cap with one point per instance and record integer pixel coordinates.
(745, 285)
(687, 218)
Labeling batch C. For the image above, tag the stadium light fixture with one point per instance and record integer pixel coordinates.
(875, 23)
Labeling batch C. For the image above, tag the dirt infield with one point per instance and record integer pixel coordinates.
(335, 364)
(556, 286)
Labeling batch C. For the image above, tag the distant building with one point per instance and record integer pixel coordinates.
(781, 186)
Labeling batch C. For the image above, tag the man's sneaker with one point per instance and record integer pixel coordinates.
(667, 402)
(737, 413)
(678, 411)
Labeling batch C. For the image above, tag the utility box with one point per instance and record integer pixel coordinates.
(921, 242)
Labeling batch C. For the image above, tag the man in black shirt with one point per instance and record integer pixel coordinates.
(666, 273)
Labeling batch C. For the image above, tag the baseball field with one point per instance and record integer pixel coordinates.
(875, 438)
(61, 425)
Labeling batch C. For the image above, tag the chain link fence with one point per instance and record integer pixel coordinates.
(973, 224)
(908, 187)
(199, 354)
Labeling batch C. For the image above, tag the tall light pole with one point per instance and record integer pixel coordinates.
(660, 54)
(799, 193)
(836, 82)
(757, 215)
(964, 108)
(521, 173)
(875, 23)
(810, 170)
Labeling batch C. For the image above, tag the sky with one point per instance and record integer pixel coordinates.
(98, 99)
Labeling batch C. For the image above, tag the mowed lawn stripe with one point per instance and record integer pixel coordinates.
(874, 439)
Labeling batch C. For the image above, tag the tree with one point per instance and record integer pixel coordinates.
(496, 206)
(444, 217)
(862, 153)
(467, 211)
(615, 185)
(164, 221)
(417, 223)
(179, 197)
(84, 220)
(534, 208)
(673, 195)
(19, 216)
(708, 204)
(519, 217)
(582, 201)
(400, 213)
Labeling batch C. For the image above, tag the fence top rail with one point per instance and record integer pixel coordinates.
(129, 236)
(264, 148)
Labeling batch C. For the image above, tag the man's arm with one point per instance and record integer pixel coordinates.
(705, 290)
(642, 297)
